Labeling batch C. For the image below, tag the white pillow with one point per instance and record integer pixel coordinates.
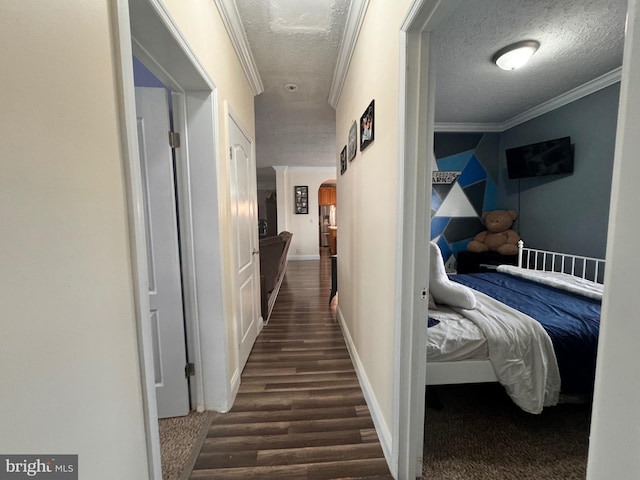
(444, 290)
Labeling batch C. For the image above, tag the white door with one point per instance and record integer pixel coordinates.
(163, 258)
(245, 220)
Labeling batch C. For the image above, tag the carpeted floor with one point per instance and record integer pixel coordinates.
(178, 436)
(479, 434)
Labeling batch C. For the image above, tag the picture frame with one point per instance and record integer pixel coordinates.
(301, 193)
(367, 124)
(353, 141)
(343, 160)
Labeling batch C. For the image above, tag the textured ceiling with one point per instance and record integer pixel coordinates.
(297, 41)
(579, 40)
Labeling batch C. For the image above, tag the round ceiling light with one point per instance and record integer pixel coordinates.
(516, 55)
(291, 87)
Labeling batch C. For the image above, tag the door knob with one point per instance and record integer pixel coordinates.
(255, 252)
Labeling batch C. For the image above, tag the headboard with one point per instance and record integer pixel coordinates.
(589, 268)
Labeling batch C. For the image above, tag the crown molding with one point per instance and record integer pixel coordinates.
(467, 127)
(577, 93)
(355, 18)
(426, 15)
(233, 24)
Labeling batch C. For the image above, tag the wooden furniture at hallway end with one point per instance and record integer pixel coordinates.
(273, 263)
(333, 240)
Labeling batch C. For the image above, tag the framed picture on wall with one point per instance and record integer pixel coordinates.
(353, 140)
(301, 199)
(367, 121)
(343, 160)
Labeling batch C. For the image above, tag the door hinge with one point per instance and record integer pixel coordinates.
(174, 139)
(231, 153)
(189, 370)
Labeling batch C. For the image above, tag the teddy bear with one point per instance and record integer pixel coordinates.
(498, 237)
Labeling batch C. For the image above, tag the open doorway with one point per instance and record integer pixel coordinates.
(327, 217)
(267, 202)
(420, 58)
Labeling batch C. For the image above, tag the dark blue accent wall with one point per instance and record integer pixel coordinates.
(456, 208)
(567, 213)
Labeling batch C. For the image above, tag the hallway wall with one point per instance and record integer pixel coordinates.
(70, 376)
(368, 208)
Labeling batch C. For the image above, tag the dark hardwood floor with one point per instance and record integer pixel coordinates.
(299, 413)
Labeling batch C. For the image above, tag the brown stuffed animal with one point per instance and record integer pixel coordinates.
(498, 237)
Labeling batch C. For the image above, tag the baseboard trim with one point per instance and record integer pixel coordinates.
(235, 386)
(304, 257)
(384, 434)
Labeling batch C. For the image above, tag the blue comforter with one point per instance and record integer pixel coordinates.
(571, 320)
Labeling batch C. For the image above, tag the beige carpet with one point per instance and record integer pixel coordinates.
(179, 437)
(480, 434)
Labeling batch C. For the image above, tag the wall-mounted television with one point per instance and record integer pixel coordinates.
(545, 158)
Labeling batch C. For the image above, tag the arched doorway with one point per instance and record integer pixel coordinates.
(327, 217)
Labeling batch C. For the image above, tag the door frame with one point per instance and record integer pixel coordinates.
(145, 28)
(415, 147)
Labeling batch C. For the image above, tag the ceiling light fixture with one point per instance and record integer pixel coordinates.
(516, 55)
(291, 87)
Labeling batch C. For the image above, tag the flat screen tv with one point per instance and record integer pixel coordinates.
(545, 158)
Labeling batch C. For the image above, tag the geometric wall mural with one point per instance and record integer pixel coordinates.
(457, 207)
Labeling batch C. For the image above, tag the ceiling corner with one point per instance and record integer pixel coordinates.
(577, 93)
(231, 19)
(355, 18)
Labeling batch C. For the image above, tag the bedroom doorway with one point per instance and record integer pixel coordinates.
(604, 459)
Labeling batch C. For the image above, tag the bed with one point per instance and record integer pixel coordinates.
(532, 327)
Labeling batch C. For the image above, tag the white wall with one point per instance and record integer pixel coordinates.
(368, 208)
(304, 227)
(70, 377)
(615, 427)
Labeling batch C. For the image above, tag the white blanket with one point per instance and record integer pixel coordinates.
(559, 280)
(454, 338)
(520, 351)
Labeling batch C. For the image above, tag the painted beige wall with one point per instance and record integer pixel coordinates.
(200, 23)
(305, 228)
(70, 378)
(68, 348)
(368, 202)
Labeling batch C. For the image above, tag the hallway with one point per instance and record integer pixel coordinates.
(299, 413)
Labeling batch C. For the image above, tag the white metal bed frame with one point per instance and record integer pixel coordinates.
(481, 371)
